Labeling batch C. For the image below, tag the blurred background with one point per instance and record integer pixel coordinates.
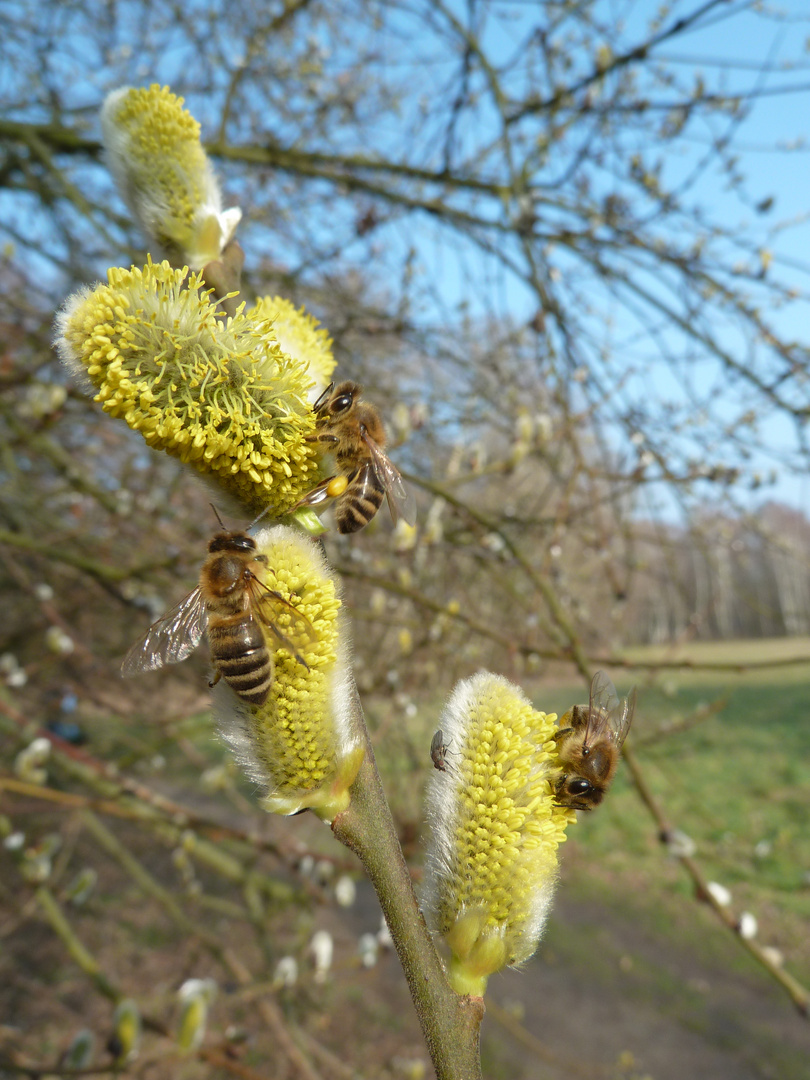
(563, 247)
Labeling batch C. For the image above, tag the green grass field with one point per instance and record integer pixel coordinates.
(738, 781)
(727, 755)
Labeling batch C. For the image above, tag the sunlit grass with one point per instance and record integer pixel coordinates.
(737, 782)
(758, 660)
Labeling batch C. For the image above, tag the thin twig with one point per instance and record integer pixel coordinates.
(799, 995)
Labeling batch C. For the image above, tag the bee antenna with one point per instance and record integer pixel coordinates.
(219, 519)
(256, 520)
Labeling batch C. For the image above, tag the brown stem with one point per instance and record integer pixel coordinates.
(450, 1023)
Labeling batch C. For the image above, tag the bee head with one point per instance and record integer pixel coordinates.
(231, 541)
(578, 793)
(343, 397)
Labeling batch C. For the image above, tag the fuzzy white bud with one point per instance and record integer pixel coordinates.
(719, 893)
(286, 973)
(345, 891)
(368, 948)
(747, 926)
(322, 949)
(679, 844)
(28, 763)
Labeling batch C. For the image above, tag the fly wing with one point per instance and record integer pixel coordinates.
(607, 711)
(401, 502)
(171, 639)
(437, 743)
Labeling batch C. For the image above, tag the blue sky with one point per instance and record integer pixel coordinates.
(774, 154)
(734, 51)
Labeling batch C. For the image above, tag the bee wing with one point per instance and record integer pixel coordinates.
(266, 603)
(625, 719)
(606, 710)
(171, 639)
(603, 693)
(401, 502)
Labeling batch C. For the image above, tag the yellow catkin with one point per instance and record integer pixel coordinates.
(300, 335)
(154, 152)
(223, 397)
(302, 744)
(492, 860)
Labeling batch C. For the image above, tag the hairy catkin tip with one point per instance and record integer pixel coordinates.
(495, 830)
(153, 150)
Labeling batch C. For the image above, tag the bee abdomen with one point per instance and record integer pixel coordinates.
(361, 500)
(251, 683)
(242, 658)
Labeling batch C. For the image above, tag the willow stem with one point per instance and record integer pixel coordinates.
(450, 1022)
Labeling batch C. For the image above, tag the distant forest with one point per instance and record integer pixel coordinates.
(724, 577)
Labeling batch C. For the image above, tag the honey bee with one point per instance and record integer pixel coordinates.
(439, 751)
(230, 605)
(354, 431)
(589, 742)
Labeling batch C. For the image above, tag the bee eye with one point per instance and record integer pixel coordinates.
(340, 404)
(579, 787)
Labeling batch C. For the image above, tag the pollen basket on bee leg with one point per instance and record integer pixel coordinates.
(337, 486)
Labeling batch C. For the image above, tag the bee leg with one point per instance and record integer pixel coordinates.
(215, 680)
(563, 731)
(320, 436)
(291, 649)
(318, 495)
(265, 565)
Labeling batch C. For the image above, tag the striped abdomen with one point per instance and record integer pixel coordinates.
(361, 499)
(240, 655)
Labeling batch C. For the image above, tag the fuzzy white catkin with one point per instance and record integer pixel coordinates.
(719, 893)
(322, 949)
(286, 973)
